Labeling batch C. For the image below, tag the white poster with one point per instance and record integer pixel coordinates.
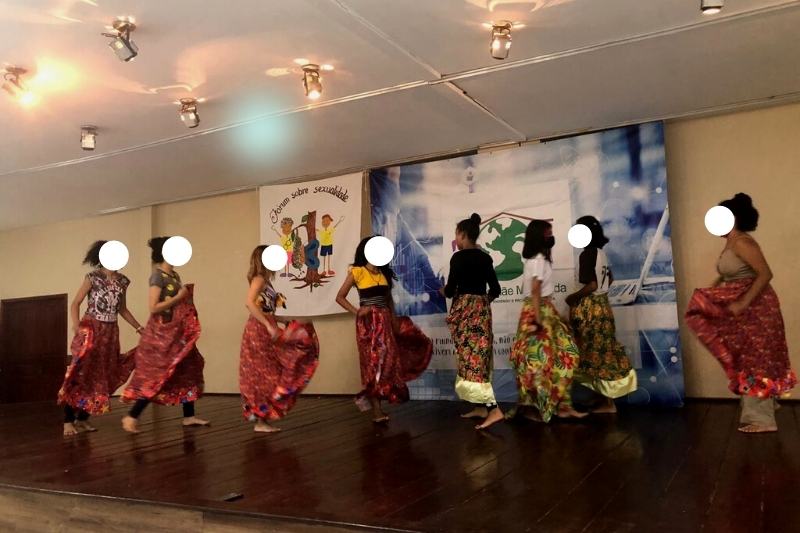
(318, 223)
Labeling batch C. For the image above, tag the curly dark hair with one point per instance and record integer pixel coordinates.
(742, 208)
(156, 244)
(360, 260)
(93, 254)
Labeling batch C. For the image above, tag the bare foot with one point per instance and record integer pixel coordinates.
(82, 425)
(69, 429)
(495, 416)
(263, 427)
(478, 412)
(380, 418)
(571, 413)
(130, 424)
(194, 421)
(752, 428)
(608, 408)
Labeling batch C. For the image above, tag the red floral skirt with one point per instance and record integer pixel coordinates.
(272, 374)
(169, 368)
(751, 346)
(97, 368)
(390, 354)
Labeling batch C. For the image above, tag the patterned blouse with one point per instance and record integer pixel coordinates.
(267, 299)
(169, 284)
(105, 295)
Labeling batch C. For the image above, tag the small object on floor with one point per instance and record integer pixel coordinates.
(194, 421)
(752, 428)
(232, 497)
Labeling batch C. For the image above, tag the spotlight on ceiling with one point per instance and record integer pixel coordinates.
(121, 42)
(13, 85)
(189, 114)
(88, 137)
(711, 7)
(312, 83)
(501, 39)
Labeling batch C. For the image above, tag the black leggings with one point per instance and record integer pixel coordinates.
(138, 407)
(70, 416)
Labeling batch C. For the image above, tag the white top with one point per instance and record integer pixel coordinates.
(603, 273)
(538, 268)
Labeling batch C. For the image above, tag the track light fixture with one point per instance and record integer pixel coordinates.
(188, 112)
(501, 39)
(312, 83)
(88, 137)
(121, 42)
(13, 85)
(711, 7)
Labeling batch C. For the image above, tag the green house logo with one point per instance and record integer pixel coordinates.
(503, 237)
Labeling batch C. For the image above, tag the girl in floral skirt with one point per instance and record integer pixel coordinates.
(470, 321)
(544, 355)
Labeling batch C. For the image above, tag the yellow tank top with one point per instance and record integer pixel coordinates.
(365, 279)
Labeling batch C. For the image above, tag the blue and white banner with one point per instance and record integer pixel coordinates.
(618, 176)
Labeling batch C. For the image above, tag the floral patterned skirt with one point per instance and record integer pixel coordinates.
(543, 359)
(470, 322)
(169, 368)
(97, 368)
(604, 365)
(751, 346)
(390, 354)
(272, 374)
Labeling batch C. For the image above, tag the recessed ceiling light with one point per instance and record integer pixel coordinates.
(302, 61)
(88, 137)
(326, 67)
(501, 39)
(121, 41)
(277, 72)
(711, 7)
(12, 84)
(188, 112)
(312, 83)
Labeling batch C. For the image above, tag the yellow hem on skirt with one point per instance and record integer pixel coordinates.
(610, 389)
(474, 392)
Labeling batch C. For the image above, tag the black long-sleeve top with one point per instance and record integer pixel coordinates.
(471, 270)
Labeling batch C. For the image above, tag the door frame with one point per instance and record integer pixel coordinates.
(64, 297)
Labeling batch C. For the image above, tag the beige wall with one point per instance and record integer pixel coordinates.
(708, 160)
(223, 231)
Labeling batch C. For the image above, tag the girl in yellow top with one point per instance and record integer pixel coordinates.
(392, 351)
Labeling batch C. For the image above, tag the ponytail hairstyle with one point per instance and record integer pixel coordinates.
(156, 244)
(471, 227)
(743, 211)
(93, 254)
(360, 260)
(598, 237)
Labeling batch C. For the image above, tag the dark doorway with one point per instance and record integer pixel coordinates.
(33, 352)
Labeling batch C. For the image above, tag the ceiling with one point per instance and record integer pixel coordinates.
(408, 82)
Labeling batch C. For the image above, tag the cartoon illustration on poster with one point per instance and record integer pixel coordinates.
(318, 224)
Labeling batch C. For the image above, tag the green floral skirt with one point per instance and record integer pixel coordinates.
(604, 366)
(544, 359)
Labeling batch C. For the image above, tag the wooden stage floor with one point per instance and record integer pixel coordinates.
(428, 470)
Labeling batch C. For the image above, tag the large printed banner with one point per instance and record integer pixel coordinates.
(319, 225)
(619, 176)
